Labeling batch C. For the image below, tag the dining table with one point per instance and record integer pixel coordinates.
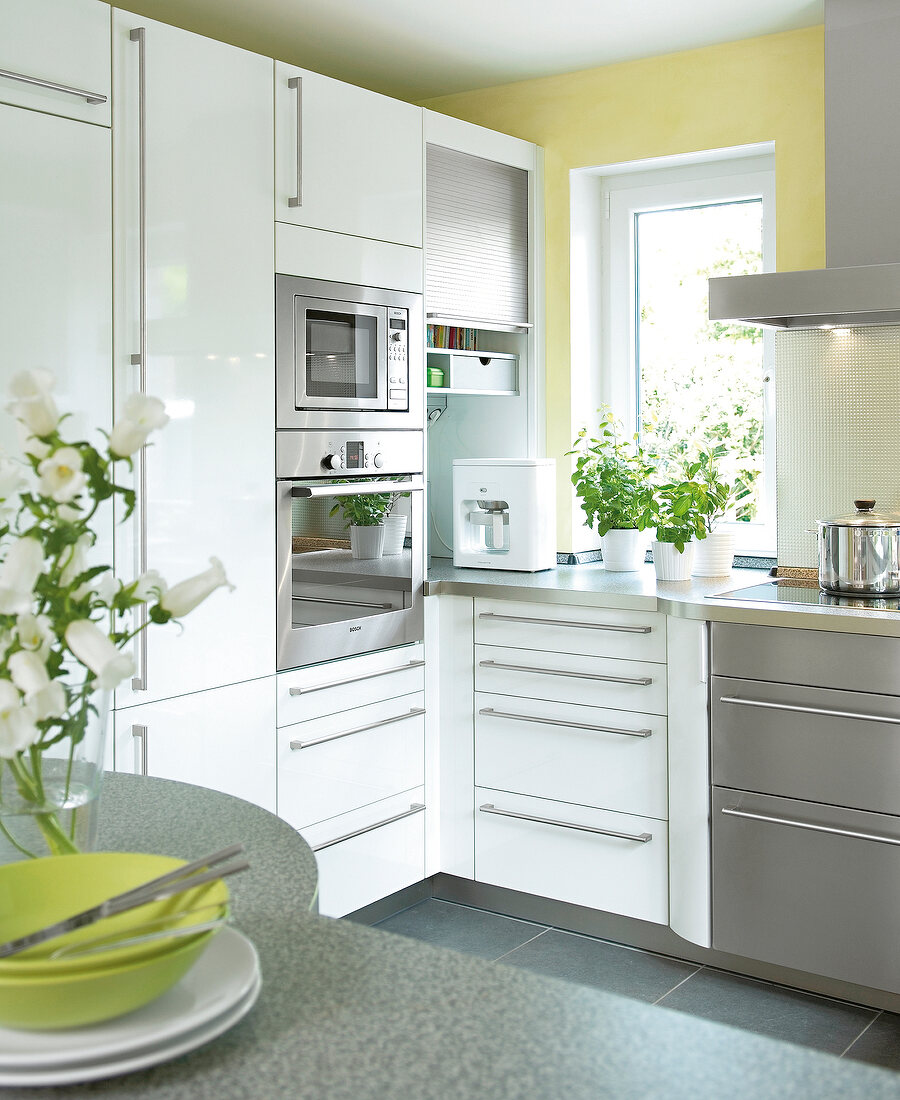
(350, 1012)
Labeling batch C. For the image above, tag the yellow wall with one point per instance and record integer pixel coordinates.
(760, 89)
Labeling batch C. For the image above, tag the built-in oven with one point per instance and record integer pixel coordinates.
(342, 591)
(347, 356)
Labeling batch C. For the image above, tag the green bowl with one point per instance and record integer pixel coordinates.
(42, 993)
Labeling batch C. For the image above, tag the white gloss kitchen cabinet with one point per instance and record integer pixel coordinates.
(347, 160)
(194, 303)
(221, 739)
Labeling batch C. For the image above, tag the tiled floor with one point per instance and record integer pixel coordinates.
(849, 1030)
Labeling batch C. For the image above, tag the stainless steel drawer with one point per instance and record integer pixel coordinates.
(839, 747)
(819, 658)
(811, 887)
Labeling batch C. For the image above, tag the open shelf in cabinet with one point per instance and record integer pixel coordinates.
(475, 372)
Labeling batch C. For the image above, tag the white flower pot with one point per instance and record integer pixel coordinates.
(366, 542)
(714, 555)
(394, 534)
(669, 564)
(623, 550)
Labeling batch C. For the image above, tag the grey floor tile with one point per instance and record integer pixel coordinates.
(581, 959)
(879, 1045)
(770, 1010)
(472, 931)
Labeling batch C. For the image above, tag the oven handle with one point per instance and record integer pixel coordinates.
(363, 488)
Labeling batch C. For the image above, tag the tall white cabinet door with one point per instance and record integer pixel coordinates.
(56, 42)
(222, 739)
(209, 277)
(56, 269)
(346, 159)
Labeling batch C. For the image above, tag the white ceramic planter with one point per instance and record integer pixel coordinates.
(394, 534)
(623, 550)
(714, 555)
(366, 542)
(669, 564)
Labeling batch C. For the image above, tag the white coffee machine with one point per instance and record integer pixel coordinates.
(504, 513)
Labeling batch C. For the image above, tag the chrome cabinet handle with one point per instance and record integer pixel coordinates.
(734, 811)
(363, 488)
(640, 681)
(91, 97)
(489, 711)
(139, 733)
(415, 808)
(297, 82)
(413, 712)
(566, 622)
(737, 701)
(138, 34)
(355, 679)
(343, 603)
(639, 838)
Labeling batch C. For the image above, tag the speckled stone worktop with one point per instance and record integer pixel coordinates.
(352, 1013)
(591, 584)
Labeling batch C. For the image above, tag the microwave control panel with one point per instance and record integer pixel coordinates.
(398, 358)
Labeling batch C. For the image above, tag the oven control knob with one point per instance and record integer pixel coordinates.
(378, 460)
(331, 462)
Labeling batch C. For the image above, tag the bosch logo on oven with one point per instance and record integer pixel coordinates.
(353, 629)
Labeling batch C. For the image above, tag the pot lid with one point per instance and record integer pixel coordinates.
(864, 516)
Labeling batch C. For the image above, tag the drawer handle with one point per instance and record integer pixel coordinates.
(559, 722)
(738, 702)
(640, 681)
(356, 679)
(566, 622)
(415, 808)
(413, 712)
(344, 603)
(640, 838)
(91, 97)
(733, 811)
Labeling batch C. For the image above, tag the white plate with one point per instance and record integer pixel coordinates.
(129, 1063)
(220, 980)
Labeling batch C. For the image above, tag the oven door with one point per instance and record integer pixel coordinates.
(338, 594)
(340, 355)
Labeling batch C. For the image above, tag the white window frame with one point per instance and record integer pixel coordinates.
(625, 193)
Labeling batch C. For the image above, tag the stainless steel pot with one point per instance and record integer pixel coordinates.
(859, 553)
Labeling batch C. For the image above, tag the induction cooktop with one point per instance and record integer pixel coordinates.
(785, 591)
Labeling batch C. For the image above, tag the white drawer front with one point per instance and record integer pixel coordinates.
(385, 854)
(588, 755)
(571, 678)
(344, 761)
(612, 873)
(595, 631)
(312, 692)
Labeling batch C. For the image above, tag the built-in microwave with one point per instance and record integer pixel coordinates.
(347, 356)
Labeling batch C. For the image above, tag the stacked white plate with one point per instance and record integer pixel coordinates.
(216, 992)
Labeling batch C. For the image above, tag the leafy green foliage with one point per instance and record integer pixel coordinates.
(613, 478)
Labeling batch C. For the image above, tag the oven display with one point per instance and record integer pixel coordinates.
(355, 456)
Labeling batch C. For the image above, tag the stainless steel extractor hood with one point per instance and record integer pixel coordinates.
(861, 283)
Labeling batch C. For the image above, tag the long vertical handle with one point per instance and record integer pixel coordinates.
(139, 682)
(139, 733)
(297, 82)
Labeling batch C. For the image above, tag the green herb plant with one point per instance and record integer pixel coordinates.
(363, 509)
(613, 477)
(682, 506)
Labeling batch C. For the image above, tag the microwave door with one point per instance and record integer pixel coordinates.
(340, 355)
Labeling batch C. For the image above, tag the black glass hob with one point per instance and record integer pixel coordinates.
(784, 591)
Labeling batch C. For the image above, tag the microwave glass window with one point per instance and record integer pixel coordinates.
(341, 355)
(329, 583)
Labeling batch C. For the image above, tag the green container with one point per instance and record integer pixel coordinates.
(435, 377)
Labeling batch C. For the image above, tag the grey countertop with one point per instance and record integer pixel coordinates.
(592, 585)
(352, 1012)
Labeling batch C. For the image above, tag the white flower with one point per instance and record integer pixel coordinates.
(186, 595)
(11, 479)
(107, 587)
(149, 586)
(34, 633)
(94, 649)
(77, 561)
(142, 415)
(62, 476)
(46, 698)
(17, 722)
(32, 403)
(18, 575)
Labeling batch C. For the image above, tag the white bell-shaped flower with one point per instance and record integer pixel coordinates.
(95, 650)
(18, 730)
(186, 595)
(62, 475)
(142, 415)
(46, 697)
(32, 402)
(18, 575)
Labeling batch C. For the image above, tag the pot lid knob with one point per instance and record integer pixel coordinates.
(864, 505)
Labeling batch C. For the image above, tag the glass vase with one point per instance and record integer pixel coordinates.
(48, 797)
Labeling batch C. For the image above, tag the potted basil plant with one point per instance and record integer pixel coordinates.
(680, 511)
(364, 514)
(714, 555)
(613, 479)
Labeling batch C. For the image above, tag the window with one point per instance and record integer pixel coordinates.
(683, 381)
